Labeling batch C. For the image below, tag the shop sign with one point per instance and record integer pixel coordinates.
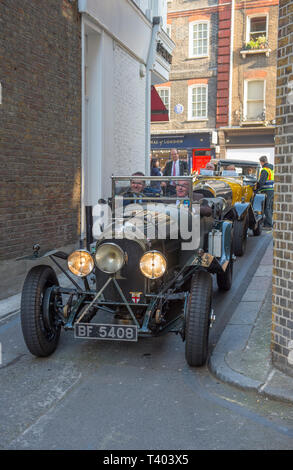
(164, 53)
(167, 141)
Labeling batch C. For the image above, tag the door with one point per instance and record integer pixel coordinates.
(200, 157)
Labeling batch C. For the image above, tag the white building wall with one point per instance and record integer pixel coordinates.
(117, 38)
(129, 114)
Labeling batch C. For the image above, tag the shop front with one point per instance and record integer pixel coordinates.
(244, 145)
(194, 148)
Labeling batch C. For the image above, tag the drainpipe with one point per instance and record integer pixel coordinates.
(149, 67)
(231, 61)
(83, 166)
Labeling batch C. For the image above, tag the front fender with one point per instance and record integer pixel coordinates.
(259, 202)
(241, 209)
(227, 227)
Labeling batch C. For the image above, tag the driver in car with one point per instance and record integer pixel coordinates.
(182, 190)
(138, 190)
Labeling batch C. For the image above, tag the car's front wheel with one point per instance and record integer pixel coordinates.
(40, 329)
(198, 319)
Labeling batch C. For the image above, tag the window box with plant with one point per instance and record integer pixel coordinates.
(256, 46)
(256, 36)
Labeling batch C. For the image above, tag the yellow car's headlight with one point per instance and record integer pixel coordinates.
(80, 263)
(110, 258)
(153, 264)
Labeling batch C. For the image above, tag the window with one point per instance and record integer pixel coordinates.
(256, 27)
(198, 102)
(254, 102)
(199, 39)
(164, 94)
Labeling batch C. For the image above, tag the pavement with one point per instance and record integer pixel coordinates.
(242, 356)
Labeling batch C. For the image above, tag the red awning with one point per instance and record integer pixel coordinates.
(159, 111)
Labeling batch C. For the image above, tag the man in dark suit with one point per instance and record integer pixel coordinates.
(175, 167)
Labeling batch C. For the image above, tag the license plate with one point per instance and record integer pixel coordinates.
(107, 332)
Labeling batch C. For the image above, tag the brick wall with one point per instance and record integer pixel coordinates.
(40, 126)
(255, 66)
(282, 327)
(185, 69)
(223, 79)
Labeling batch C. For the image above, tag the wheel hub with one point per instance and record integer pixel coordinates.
(49, 312)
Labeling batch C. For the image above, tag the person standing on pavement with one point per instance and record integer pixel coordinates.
(265, 185)
(174, 167)
(156, 171)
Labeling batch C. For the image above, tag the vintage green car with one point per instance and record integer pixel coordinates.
(152, 266)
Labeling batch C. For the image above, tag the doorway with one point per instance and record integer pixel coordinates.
(200, 157)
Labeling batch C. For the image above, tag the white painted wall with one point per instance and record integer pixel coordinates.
(121, 20)
(92, 148)
(116, 38)
(124, 117)
(129, 114)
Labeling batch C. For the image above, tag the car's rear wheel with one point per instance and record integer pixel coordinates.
(198, 319)
(38, 320)
(240, 236)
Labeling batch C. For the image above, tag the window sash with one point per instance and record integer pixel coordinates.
(200, 39)
(164, 94)
(255, 102)
(199, 102)
(256, 29)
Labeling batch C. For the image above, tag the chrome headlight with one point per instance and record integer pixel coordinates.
(110, 258)
(153, 264)
(80, 263)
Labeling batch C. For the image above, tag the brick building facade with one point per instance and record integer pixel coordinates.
(75, 102)
(282, 329)
(193, 26)
(251, 109)
(40, 131)
(239, 71)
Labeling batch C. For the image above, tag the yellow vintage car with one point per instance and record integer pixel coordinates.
(233, 182)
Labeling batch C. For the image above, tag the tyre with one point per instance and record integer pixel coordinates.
(40, 332)
(258, 230)
(240, 236)
(198, 319)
